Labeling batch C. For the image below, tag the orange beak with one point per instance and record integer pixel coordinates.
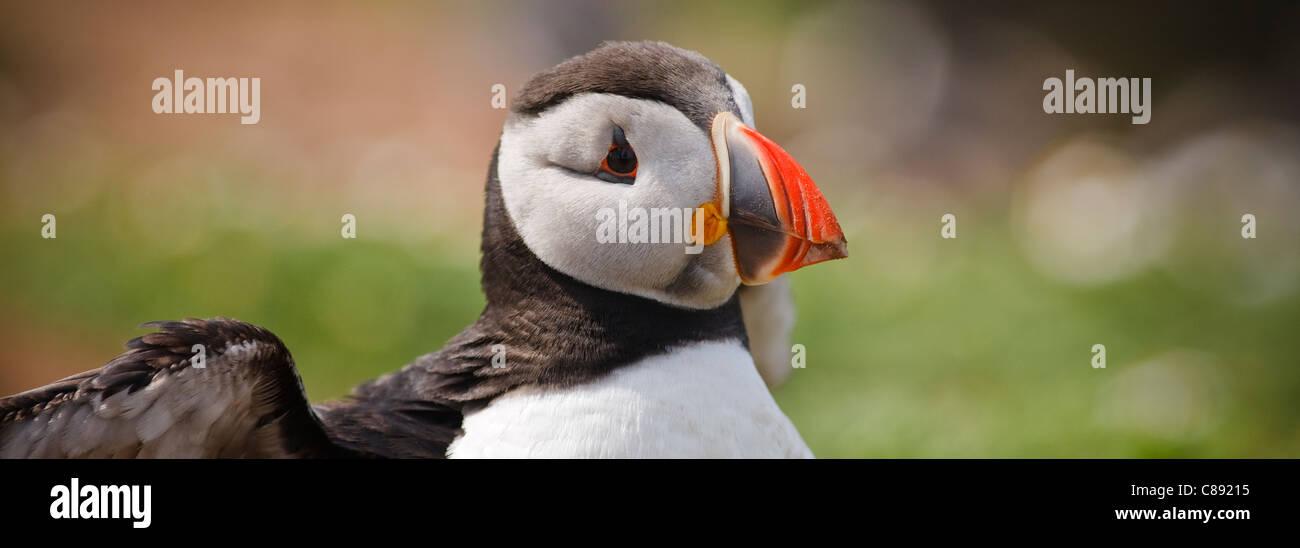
(778, 220)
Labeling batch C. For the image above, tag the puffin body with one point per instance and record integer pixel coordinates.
(586, 347)
(704, 400)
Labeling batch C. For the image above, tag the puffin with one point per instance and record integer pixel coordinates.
(586, 347)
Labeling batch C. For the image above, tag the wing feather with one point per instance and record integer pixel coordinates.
(152, 401)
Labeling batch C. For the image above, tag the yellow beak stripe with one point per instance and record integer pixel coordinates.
(715, 226)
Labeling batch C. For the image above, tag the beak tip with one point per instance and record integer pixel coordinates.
(841, 248)
(837, 248)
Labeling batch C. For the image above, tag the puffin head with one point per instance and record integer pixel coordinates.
(635, 168)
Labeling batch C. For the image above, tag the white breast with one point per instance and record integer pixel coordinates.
(702, 401)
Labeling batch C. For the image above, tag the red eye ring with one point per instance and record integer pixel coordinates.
(623, 155)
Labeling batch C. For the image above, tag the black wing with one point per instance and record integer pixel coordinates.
(155, 401)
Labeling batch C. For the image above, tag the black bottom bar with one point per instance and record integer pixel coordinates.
(317, 497)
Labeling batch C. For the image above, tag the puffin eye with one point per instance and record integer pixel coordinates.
(619, 164)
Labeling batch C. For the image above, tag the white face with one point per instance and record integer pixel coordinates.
(547, 167)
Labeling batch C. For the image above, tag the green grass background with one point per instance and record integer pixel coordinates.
(985, 358)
